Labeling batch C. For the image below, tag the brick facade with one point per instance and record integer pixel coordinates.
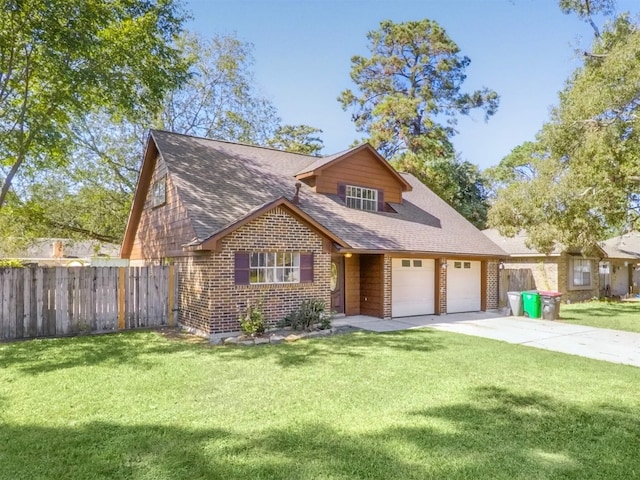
(493, 275)
(211, 302)
(441, 271)
(551, 273)
(387, 287)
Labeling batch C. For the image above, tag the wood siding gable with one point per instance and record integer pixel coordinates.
(161, 231)
(362, 167)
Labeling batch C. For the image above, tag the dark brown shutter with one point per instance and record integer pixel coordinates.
(381, 200)
(342, 191)
(306, 267)
(241, 266)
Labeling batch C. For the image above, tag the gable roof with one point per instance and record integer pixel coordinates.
(623, 246)
(517, 245)
(222, 183)
(330, 160)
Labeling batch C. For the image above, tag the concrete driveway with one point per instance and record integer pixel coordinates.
(598, 343)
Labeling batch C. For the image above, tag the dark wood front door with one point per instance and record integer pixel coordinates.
(337, 283)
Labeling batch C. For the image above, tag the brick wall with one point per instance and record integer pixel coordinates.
(544, 270)
(492, 284)
(386, 310)
(211, 302)
(442, 273)
(552, 273)
(577, 294)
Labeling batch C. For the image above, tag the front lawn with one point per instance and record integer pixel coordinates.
(603, 314)
(407, 405)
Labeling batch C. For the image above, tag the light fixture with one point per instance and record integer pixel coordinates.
(501, 265)
(443, 265)
(348, 255)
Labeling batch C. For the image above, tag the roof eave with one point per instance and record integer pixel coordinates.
(142, 188)
(365, 146)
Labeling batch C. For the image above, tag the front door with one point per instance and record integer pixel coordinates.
(337, 283)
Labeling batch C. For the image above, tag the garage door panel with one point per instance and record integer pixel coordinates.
(463, 286)
(412, 287)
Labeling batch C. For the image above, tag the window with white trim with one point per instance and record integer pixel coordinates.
(274, 267)
(581, 272)
(362, 198)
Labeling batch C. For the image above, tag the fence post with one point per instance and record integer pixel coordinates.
(121, 297)
(171, 293)
(171, 319)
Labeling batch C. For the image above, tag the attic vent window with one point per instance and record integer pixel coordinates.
(362, 198)
(159, 192)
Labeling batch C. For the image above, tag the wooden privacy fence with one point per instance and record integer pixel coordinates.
(44, 302)
(514, 280)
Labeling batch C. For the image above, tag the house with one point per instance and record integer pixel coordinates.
(63, 252)
(620, 271)
(248, 225)
(563, 270)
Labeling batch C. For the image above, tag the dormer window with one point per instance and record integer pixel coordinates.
(362, 198)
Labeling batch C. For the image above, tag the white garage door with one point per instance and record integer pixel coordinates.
(463, 286)
(412, 287)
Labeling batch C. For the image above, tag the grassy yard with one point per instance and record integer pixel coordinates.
(408, 405)
(615, 315)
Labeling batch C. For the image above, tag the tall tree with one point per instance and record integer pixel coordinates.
(60, 60)
(220, 100)
(586, 9)
(410, 89)
(298, 139)
(91, 195)
(410, 95)
(460, 183)
(587, 157)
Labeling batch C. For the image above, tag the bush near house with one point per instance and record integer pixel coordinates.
(311, 314)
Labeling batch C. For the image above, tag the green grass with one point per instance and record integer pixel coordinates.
(416, 404)
(614, 315)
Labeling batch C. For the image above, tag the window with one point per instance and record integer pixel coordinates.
(274, 267)
(406, 263)
(159, 192)
(362, 198)
(581, 273)
(417, 263)
(457, 264)
(467, 264)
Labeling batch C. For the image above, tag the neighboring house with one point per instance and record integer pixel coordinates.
(65, 252)
(247, 225)
(562, 270)
(620, 271)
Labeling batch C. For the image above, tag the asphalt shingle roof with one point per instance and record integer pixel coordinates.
(624, 246)
(221, 182)
(516, 245)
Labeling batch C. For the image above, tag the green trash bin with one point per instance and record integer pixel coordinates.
(531, 304)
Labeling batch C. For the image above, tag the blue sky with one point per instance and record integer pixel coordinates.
(523, 49)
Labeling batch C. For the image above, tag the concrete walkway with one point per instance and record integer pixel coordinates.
(598, 343)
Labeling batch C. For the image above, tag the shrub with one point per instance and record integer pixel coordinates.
(252, 321)
(310, 314)
(10, 263)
